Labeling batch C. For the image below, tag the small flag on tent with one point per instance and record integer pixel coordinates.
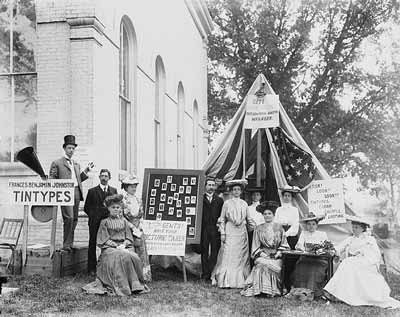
(297, 164)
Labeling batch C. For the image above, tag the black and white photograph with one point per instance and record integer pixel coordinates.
(271, 128)
(163, 197)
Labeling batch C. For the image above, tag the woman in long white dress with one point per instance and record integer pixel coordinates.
(233, 264)
(357, 280)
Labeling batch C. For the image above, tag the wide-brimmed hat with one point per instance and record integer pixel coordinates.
(236, 182)
(130, 180)
(254, 189)
(69, 139)
(311, 216)
(290, 189)
(358, 219)
(268, 204)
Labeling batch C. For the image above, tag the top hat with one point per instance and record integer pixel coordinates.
(69, 139)
(312, 216)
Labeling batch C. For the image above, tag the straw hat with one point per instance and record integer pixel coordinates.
(234, 182)
(358, 219)
(311, 216)
(130, 180)
(290, 189)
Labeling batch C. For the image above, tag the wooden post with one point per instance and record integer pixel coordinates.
(53, 232)
(184, 269)
(258, 157)
(25, 236)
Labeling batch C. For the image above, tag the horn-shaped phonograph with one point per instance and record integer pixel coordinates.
(28, 157)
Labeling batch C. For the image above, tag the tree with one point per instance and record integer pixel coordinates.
(310, 52)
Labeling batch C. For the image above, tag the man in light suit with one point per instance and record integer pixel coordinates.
(66, 168)
(96, 211)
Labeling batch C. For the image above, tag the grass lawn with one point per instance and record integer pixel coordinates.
(169, 296)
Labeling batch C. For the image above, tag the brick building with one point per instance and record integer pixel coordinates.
(128, 78)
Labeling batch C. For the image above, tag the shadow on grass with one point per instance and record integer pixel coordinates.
(169, 296)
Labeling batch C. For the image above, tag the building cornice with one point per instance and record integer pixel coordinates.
(201, 17)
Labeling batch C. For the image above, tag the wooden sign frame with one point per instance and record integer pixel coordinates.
(178, 176)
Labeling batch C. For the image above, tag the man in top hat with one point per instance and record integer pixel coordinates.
(210, 237)
(96, 211)
(66, 168)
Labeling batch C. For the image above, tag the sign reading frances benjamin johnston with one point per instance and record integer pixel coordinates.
(51, 192)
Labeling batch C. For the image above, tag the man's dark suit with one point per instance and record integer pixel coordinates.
(209, 234)
(60, 169)
(96, 211)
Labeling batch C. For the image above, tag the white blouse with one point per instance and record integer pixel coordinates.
(255, 215)
(288, 214)
(316, 237)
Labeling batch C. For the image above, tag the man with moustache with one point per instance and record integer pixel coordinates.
(96, 211)
(66, 168)
(210, 237)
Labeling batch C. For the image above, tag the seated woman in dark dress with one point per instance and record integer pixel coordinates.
(310, 272)
(119, 269)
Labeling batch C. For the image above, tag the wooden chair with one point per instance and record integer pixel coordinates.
(10, 231)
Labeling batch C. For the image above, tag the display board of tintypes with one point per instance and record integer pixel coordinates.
(175, 195)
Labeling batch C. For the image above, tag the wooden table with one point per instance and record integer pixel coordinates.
(297, 254)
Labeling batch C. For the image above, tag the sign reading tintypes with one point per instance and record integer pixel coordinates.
(325, 197)
(165, 237)
(51, 192)
(262, 112)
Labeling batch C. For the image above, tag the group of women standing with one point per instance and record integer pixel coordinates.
(281, 231)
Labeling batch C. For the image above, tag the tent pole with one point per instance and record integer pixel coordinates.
(258, 157)
(244, 153)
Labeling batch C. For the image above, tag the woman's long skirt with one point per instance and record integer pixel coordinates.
(265, 278)
(310, 273)
(357, 282)
(233, 263)
(119, 272)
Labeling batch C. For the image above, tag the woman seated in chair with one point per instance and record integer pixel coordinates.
(268, 239)
(357, 280)
(310, 272)
(119, 269)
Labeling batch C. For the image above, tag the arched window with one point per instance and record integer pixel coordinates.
(180, 125)
(127, 58)
(18, 91)
(159, 127)
(195, 133)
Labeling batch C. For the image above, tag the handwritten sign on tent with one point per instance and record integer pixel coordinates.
(262, 112)
(326, 197)
(51, 192)
(165, 237)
